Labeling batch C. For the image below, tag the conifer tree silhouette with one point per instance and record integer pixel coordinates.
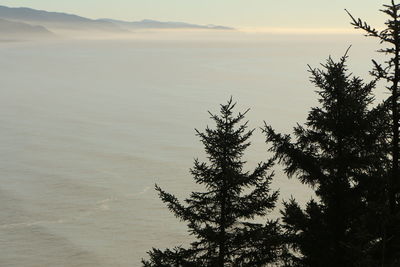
(221, 218)
(337, 153)
(390, 72)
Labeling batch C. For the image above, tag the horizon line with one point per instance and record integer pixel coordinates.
(300, 30)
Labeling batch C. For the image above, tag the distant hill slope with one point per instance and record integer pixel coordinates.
(18, 23)
(154, 24)
(56, 19)
(19, 30)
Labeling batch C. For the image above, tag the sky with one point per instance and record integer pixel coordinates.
(247, 14)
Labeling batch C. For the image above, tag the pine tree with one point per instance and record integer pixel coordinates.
(337, 153)
(390, 72)
(222, 218)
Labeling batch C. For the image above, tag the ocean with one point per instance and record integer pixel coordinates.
(89, 126)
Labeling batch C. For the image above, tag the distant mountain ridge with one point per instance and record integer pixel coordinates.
(55, 19)
(24, 13)
(31, 22)
(155, 24)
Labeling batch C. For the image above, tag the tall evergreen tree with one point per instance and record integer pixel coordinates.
(222, 218)
(337, 153)
(390, 72)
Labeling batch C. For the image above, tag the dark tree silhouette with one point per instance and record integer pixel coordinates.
(338, 153)
(390, 72)
(222, 218)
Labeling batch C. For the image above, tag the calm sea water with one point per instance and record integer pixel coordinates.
(88, 128)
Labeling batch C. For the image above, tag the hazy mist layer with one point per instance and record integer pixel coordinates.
(88, 127)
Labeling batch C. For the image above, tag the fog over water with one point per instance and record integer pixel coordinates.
(88, 128)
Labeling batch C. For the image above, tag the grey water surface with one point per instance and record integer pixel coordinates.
(88, 128)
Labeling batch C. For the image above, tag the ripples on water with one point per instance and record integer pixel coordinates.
(88, 127)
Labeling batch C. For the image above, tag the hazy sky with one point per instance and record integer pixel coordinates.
(317, 14)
